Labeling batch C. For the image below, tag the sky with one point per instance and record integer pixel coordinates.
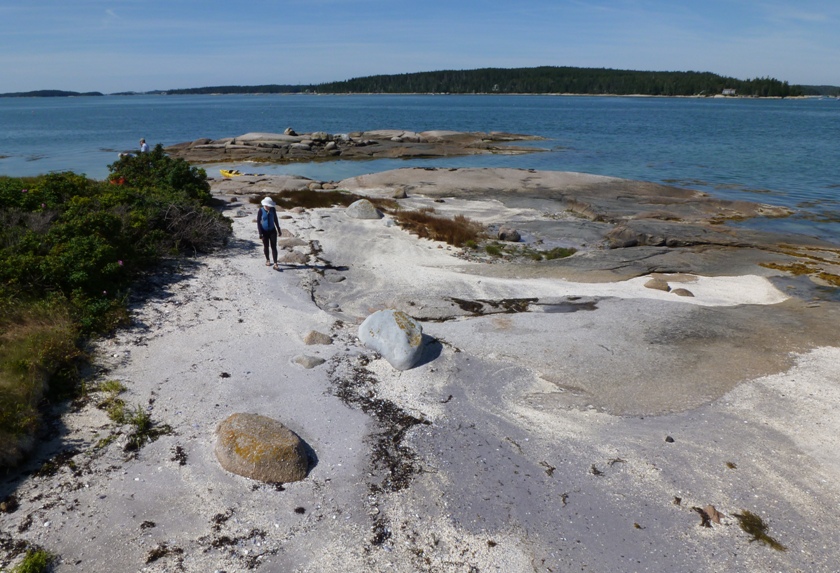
(142, 45)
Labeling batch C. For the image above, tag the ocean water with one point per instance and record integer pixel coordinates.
(782, 152)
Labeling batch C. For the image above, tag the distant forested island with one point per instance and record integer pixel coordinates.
(564, 80)
(539, 80)
(50, 93)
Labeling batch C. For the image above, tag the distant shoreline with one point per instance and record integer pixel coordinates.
(538, 80)
(564, 94)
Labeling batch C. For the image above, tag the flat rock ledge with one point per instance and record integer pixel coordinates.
(261, 448)
(385, 143)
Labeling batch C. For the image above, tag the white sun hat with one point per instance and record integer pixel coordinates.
(269, 202)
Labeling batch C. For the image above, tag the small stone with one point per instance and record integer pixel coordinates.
(315, 337)
(308, 362)
(658, 284)
(682, 292)
(669, 439)
(293, 258)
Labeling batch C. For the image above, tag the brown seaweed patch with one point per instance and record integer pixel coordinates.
(161, 551)
(755, 526)
(792, 268)
(833, 280)
(482, 307)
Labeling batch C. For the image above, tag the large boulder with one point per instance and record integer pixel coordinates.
(363, 209)
(260, 448)
(509, 234)
(394, 335)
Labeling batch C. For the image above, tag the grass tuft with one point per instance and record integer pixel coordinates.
(37, 344)
(35, 561)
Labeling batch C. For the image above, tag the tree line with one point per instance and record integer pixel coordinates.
(566, 80)
(539, 80)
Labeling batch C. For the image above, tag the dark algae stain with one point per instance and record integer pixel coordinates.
(755, 526)
(392, 463)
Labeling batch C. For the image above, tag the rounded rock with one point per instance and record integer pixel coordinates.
(260, 448)
(509, 234)
(363, 209)
(394, 335)
(315, 337)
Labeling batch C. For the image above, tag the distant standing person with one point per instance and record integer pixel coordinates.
(269, 228)
(144, 147)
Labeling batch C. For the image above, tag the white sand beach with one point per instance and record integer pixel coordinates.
(583, 433)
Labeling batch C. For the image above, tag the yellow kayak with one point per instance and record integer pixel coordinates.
(230, 172)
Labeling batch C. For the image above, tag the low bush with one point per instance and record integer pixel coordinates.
(70, 248)
(458, 231)
(156, 171)
(35, 561)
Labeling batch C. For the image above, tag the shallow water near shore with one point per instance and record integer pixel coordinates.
(782, 152)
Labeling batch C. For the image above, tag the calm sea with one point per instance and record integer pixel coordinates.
(784, 152)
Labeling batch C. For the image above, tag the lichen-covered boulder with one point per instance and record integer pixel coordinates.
(363, 209)
(260, 448)
(394, 335)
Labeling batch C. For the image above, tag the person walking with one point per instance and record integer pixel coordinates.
(269, 229)
(144, 147)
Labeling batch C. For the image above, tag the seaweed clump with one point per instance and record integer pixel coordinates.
(755, 526)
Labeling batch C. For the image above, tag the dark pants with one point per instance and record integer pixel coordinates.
(270, 238)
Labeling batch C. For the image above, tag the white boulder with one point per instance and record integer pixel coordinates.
(394, 335)
(363, 209)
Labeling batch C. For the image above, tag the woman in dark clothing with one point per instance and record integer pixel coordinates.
(269, 228)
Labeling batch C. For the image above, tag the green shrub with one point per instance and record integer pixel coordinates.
(70, 248)
(156, 170)
(36, 561)
(493, 250)
(559, 253)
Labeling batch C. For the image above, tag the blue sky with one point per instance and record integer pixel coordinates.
(140, 45)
